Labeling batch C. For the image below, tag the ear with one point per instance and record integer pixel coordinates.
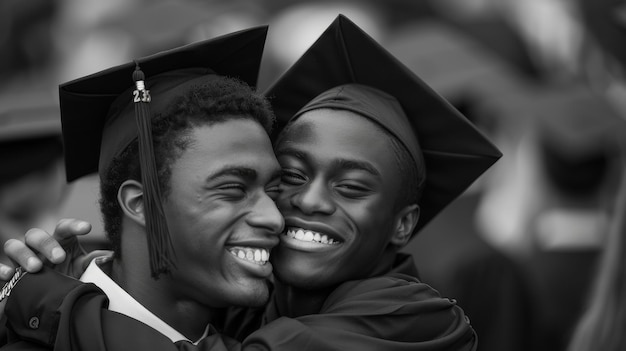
(406, 220)
(130, 199)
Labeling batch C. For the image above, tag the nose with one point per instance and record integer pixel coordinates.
(313, 198)
(267, 216)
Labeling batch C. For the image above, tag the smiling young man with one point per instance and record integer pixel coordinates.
(369, 155)
(188, 182)
(355, 146)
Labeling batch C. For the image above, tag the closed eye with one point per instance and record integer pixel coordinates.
(352, 190)
(232, 191)
(292, 177)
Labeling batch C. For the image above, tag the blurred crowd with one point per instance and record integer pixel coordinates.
(531, 252)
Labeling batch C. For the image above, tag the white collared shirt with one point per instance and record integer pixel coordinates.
(120, 301)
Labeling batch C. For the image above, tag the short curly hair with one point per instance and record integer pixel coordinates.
(215, 101)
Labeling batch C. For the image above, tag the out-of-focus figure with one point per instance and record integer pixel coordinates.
(26, 31)
(575, 143)
(601, 326)
(32, 177)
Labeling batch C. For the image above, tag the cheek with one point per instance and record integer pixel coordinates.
(374, 225)
(367, 215)
(283, 201)
(189, 226)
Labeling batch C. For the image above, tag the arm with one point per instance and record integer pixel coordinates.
(385, 313)
(374, 314)
(391, 312)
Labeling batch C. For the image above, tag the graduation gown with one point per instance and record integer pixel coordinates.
(50, 311)
(390, 312)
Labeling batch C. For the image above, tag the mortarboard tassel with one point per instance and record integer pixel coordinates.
(159, 242)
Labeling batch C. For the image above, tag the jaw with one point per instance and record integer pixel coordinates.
(305, 267)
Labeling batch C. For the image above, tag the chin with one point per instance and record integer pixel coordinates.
(255, 295)
(302, 277)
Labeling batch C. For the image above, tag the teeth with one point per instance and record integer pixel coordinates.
(307, 235)
(260, 256)
(300, 234)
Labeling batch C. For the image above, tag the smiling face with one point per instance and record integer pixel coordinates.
(338, 195)
(221, 214)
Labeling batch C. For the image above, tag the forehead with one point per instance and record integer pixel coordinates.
(331, 138)
(236, 141)
(339, 129)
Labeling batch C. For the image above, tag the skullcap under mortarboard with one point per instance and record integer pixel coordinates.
(88, 103)
(455, 152)
(376, 105)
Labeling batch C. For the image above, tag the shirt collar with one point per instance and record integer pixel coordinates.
(121, 302)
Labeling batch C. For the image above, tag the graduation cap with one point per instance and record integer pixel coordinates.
(30, 140)
(455, 153)
(104, 112)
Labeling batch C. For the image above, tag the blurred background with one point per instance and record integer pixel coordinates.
(544, 79)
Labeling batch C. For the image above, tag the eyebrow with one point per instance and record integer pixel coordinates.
(238, 171)
(242, 172)
(342, 163)
(345, 164)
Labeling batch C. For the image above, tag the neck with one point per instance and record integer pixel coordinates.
(159, 296)
(292, 301)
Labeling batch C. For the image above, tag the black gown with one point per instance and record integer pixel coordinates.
(390, 312)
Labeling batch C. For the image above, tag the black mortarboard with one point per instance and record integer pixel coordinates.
(455, 152)
(100, 118)
(30, 140)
